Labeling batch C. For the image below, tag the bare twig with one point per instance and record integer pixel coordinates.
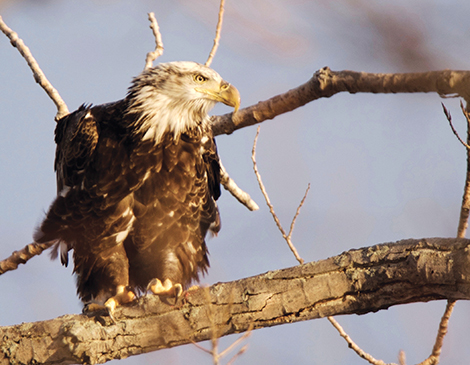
(298, 212)
(465, 207)
(39, 76)
(433, 359)
(230, 185)
(353, 345)
(449, 118)
(217, 34)
(271, 208)
(241, 352)
(22, 256)
(152, 56)
(237, 341)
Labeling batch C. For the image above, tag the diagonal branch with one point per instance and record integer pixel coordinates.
(354, 346)
(39, 76)
(22, 256)
(358, 281)
(326, 83)
(217, 34)
(433, 359)
(232, 187)
(287, 237)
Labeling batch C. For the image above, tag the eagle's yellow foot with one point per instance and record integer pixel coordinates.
(165, 289)
(123, 295)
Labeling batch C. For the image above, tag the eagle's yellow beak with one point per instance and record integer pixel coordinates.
(226, 93)
(229, 95)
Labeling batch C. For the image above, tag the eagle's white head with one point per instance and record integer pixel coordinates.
(176, 96)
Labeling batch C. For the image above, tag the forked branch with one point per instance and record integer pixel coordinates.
(287, 237)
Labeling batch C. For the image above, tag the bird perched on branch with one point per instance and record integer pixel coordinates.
(137, 184)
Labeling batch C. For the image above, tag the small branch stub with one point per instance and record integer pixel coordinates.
(152, 56)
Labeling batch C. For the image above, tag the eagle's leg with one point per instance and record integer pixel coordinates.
(107, 285)
(167, 288)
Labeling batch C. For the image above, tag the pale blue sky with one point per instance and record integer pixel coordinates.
(381, 167)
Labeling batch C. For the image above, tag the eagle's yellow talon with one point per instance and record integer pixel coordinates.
(165, 289)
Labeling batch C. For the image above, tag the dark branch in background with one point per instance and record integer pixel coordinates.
(39, 76)
(152, 56)
(326, 83)
(356, 282)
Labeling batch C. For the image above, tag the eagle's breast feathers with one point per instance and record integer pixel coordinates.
(137, 182)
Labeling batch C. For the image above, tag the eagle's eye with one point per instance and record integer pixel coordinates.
(199, 78)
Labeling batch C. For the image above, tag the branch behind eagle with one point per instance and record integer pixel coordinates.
(137, 182)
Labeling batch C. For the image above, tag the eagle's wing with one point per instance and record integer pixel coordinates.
(76, 137)
(94, 182)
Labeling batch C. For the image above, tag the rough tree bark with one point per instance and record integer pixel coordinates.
(357, 281)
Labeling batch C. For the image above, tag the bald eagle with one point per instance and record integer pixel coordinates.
(137, 184)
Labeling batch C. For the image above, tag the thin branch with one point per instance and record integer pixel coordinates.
(152, 56)
(22, 256)
(465, 207)
(449, 118)
(268, 202)
(239, 353)
(230, 185)
(465, 112)
(298, 212)
(237, 341)
(354, 346)
(39, 76)
(433, 359)
(217, 34)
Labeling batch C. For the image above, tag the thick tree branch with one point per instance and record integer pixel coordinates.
(357, 281)
(326, 83)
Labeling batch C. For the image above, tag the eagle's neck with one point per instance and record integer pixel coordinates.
(155, 114)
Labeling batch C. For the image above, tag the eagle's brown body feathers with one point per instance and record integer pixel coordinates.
(135, 199)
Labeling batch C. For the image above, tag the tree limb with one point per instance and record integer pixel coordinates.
(357, 281)
(326, 83)
(39, 76)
